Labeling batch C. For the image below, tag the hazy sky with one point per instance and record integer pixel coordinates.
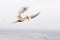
(49, 19)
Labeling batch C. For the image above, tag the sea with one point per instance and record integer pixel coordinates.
(29, 35)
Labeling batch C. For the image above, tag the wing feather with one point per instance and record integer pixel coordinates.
(33, 16)
(22, 11)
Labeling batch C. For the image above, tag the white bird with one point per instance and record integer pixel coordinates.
(21, 19)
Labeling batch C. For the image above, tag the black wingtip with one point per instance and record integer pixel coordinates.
(35, 15)
(24, 9)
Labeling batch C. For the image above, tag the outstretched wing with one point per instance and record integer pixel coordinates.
(22, 11)
(33, 16)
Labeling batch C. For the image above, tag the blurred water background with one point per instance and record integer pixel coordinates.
(29, 35)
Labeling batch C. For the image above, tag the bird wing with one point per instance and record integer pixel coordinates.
(22, 11)
(33, 16)
(14, 22)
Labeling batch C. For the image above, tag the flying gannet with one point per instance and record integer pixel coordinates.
(21, 19)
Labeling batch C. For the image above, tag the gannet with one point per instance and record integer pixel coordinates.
(21, 19)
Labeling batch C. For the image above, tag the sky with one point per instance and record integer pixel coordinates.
(49, 18)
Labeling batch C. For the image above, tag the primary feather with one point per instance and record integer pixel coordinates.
(33, 16)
